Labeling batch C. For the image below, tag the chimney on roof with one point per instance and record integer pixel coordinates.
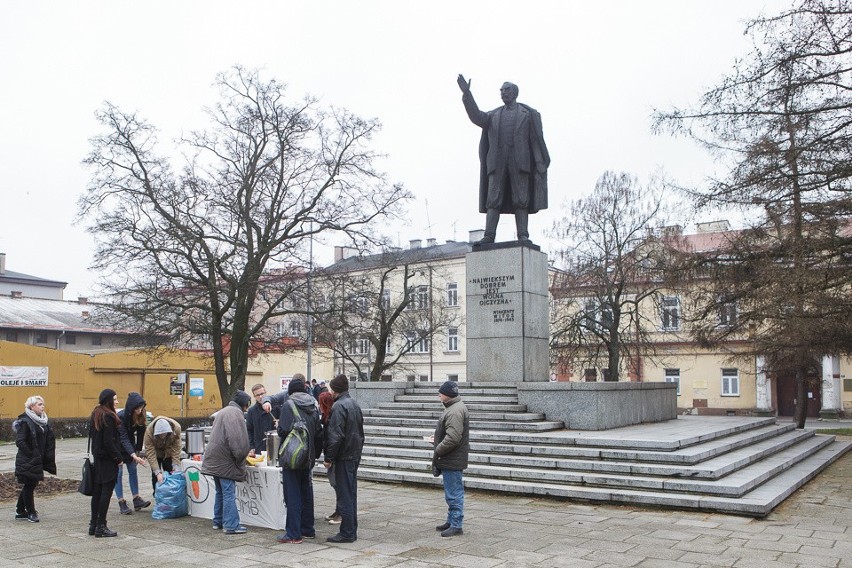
(414, 244)
(475, 235)
(82, 300)
(85, 314)
(2, 263)
(341, 253)
(17, 294)
(431, 242)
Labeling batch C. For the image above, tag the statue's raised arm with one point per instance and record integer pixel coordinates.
(463, 85)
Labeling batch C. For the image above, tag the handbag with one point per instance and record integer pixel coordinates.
(87, 475)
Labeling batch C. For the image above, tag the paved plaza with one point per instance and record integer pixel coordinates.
(811, 529)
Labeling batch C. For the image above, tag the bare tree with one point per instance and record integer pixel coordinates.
(614, 252)
(186, 249)
(781, 122)
(382, 309)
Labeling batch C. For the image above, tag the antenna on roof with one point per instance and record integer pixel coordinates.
(428, 221)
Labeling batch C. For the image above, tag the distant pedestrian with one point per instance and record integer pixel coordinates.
(298, 485)
(106, 451)
(258, 421)
(344, 443)
(131, 431)
(225, 461)
(162, 447)
(36, 454)
(452, 446)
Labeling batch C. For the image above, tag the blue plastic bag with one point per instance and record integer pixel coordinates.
(171, 498)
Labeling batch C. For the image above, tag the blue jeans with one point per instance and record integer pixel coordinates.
(225, 511)
(299, 499)
(454, 494)
(346, 489)
(132, 477)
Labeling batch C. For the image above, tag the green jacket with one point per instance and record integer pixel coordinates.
(452, 437)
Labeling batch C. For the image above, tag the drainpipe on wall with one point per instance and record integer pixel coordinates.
(59, 338)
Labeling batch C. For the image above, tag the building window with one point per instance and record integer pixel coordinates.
(418, 298)
(97, 340)
(454, 378)
(11, 336)
(727, 313)
(730, 382)
(385, 300)
(295, 328)
(388, 345)
(359, 346)
(280, 329)
(417, 344)
(598, 316)
(453, 339)
(70, 339)
(671, 313)
(41, 337)
(424, 378)
(673, 376)
(452, 294)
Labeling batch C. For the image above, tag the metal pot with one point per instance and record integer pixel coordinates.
(272, 443)
(194, 441)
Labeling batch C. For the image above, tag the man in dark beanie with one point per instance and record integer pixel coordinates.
(344, 442)
(225, 461)
(452, 445)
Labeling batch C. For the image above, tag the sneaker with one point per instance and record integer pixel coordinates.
(339, 538)
(239, 530)
(335, 520)
(309, 536)
(331, 516)
(217, 527)
(443, 527)
(123, 508)
(33, 517)
(139, 503)
(22, 516)
(452, 531)
(284, 540)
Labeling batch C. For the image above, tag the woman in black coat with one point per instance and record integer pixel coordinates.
(106, 451)
(36, 454)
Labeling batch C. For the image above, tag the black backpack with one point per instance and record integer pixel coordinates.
(295, 451)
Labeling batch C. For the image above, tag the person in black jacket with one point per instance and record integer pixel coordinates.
(106, 451)
(344, 442)
(131, 432)
(298, 486)
(258, 421)
(36, 454)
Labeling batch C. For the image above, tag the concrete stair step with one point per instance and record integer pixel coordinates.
(434, 414)
(436, 405)
(472, 399)
(465, 389)
(757, 502)
(429, 424)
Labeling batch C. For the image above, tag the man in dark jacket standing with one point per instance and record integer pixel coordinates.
(344, 442)
(452, 446)
(258, 421)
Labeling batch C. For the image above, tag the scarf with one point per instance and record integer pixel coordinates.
(40, 420)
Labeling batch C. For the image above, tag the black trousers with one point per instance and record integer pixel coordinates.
(346, 490)
(26, 498)
(101, 497)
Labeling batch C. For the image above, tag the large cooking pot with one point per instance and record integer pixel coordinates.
(194, 441)
(272, 443)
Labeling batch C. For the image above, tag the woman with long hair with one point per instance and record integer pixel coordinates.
(106, 451)
(36, 454)
(131, 431)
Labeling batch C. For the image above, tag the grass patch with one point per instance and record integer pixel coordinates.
(835, 431)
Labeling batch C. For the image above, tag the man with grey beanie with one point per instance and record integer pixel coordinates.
(452, 446)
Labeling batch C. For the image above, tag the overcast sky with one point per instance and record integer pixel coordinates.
(594, 70)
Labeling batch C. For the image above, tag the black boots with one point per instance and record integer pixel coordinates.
(92, 528)
(104, 531)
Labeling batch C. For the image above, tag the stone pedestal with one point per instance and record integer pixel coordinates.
(507, 314)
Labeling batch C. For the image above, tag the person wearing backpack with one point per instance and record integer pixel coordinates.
(300, 432)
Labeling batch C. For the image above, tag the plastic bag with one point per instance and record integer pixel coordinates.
(171, 498)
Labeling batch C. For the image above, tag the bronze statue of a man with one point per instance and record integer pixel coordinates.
(513, 160)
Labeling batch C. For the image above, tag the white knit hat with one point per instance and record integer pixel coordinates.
(162, 427)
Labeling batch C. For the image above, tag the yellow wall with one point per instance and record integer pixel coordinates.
(75, 380)
(270, 367)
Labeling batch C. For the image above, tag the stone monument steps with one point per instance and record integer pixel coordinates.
(733, 485)
(488, 454)
(491, 424)
(561, 443)
(757, 500)
(435, 413)
(432, 398)
(471, 406)
(466, 389)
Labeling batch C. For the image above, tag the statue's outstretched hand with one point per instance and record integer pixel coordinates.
(463, 84)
